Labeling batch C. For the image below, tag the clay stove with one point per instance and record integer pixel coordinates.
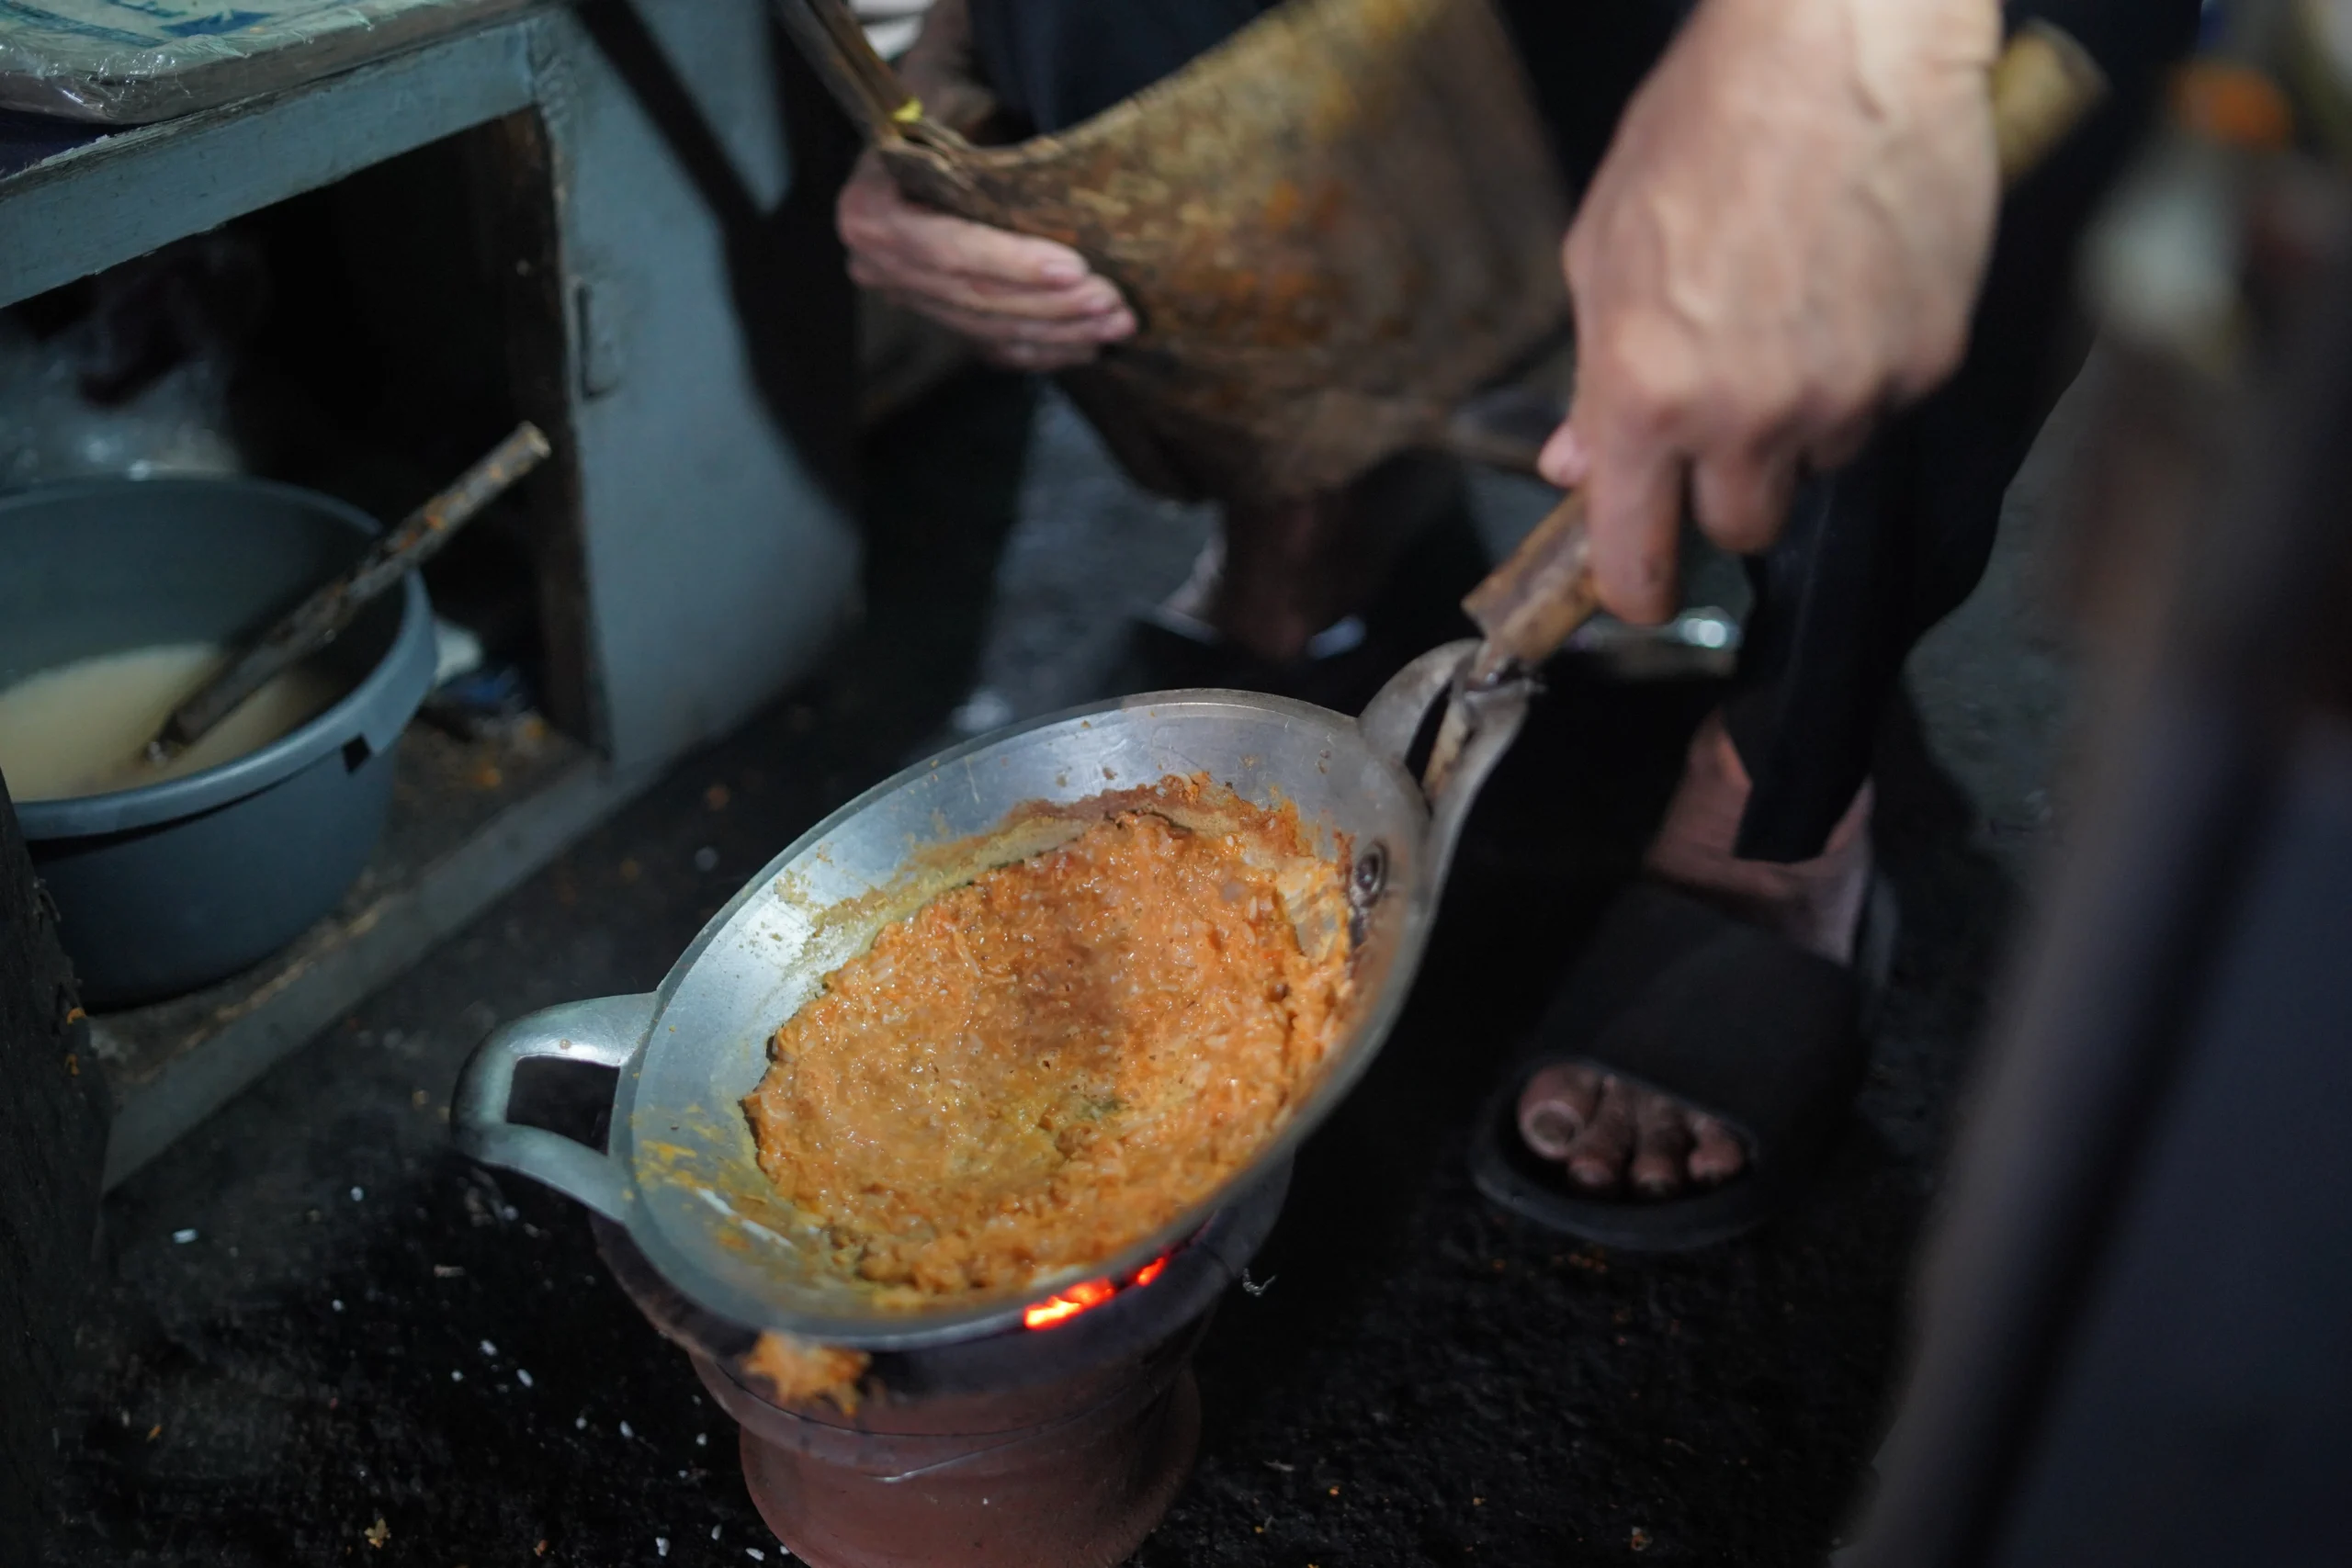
(1057, 1444)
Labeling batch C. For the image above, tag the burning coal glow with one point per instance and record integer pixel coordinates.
(1065, 1304)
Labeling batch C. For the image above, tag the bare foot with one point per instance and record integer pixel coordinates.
(1612, 1136)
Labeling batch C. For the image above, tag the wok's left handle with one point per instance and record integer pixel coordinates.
(603, 1033)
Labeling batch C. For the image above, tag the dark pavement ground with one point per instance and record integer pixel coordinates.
(317, 1317)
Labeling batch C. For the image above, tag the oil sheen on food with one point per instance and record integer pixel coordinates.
(83, 728)
(1046, 1065)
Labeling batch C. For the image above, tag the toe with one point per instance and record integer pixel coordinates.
(1716, 1154)
(1556, 1106)
(1596, 1160)
(1662, 1140)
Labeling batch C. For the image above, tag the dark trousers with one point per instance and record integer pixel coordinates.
(1874, 554)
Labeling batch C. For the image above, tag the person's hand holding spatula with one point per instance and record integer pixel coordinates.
(1783, 242)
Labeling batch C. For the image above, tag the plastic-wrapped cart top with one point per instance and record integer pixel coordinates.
(129, 62)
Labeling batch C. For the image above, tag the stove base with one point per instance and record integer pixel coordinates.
(1078, 1493)
(1053, 1448)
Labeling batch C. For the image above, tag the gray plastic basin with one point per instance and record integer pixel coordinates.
(172, 886)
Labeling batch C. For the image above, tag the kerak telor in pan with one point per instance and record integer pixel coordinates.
(681, 1172)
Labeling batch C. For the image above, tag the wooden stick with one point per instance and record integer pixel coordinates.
(311, 625)
(861, 81)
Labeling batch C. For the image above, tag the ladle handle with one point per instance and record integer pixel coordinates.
(2041, 88)
(318, 619)
(605, 1033)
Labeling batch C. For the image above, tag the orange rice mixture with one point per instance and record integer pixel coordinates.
(1039, 1067)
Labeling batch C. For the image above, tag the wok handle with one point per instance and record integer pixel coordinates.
(1392, 721)
(605, 1033)
(2041, 88)
(1487, 720)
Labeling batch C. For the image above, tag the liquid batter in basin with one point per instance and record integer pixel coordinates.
(82, 729)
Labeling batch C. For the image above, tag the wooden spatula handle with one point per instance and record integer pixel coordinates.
(1535, 601)
(2042, 86)
(828, 34)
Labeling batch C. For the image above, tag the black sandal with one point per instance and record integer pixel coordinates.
(1676, 995)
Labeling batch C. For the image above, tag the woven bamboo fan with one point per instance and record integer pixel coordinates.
(1332, 227)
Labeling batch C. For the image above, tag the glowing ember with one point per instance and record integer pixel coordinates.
(1069, 1304)
(1090, 1293)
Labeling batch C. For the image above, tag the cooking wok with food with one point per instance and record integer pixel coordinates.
(681, 1171)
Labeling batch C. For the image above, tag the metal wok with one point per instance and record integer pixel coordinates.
(679, 1171)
